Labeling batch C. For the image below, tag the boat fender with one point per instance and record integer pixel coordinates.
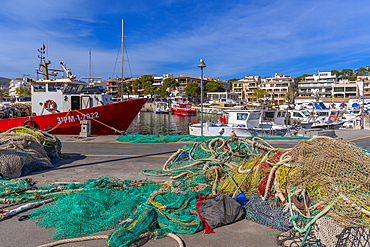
(50, 105)
(332, 118)
(232, 133)
(29, 123)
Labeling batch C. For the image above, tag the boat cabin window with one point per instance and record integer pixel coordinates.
(281, 114)
(297, 114)
(333, 113)
(79, 88)
(68, 88)
(74, 88)
(255, 116)
(306, 113)
(53, 87)
(269, 115)
(39, 87)
(324, 113)
(241, 116)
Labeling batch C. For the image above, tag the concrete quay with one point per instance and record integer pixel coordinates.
(98, 156)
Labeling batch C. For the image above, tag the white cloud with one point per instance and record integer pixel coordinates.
(234, 40)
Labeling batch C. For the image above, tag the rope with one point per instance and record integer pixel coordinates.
(56, 126)
(73, 240)
(101, 123)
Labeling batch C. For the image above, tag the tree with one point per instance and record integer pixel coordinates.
(162, 91)
(22, 91)
(360, 71)
(337, 73)
(171, 83)
(259, 93)
(127, 88)
(231, 82)
(289, 96)
(192, 89)
(214, 86)
(300, 78)
(346, 73)
(137, 85)
(2, 94)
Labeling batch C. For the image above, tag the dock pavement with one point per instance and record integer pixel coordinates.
(98, 156)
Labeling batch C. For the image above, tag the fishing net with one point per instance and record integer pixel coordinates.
(267, 213)
(199, 156)
(136, 138)
(169, 212)
(92, 209)
(336, 173)
(18, 150)
(23, 150)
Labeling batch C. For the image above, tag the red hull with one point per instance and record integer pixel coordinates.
(184, 112)
(117, 115)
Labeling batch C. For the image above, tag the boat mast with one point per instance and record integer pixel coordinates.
(122, 64)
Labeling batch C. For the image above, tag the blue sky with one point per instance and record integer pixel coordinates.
(234, 38)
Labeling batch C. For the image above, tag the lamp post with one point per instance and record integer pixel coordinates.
(201, 66)
(362, 111)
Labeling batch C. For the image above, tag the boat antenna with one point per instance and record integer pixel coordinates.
(122, 64)
(89, 77)
(47, 46)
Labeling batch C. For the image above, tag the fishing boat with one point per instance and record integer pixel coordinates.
(184, 109)
(161, 108)
(59, 106)
(245, 123)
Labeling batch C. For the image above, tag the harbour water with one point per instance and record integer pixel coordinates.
(149, 123)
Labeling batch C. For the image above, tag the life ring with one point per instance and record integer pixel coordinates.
(49, 105)
(332, 118)
(32, 123)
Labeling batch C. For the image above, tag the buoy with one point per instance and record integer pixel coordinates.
(232, 133)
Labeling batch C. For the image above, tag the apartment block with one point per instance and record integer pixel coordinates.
(184, 80)
(244, 87)
(278, 86)
(320, 84)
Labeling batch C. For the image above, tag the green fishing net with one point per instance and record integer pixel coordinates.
(136, 138)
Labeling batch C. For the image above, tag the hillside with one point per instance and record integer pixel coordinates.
(4, 81)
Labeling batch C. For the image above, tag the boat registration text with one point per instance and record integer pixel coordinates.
(72, 119)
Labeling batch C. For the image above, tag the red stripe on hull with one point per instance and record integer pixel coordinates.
(117, 115)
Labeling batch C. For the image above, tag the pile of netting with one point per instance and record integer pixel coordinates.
(318, 193)
(200, 156)
(137, 138)
(287, 189)
(15, 110)
(23, 150)
(131, 209)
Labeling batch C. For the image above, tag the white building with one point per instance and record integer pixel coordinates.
(245, 87)
(159, 80)
(278, 86)
(320, 84)
(18, 83)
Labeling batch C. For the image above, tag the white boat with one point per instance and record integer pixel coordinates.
(245, 123)
(161, 108)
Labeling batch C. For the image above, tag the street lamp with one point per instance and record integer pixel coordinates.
(201, 66)
(362, 111)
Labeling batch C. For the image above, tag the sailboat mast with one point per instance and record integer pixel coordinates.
(122, 64)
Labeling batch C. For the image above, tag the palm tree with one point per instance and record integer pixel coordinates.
(22, 91)
(259, 93)
(289, 96)
(2, 95)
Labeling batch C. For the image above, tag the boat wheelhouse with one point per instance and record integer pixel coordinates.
(60, 105)
(245, 123)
